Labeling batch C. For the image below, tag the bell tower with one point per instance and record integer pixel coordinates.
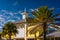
(24, 14)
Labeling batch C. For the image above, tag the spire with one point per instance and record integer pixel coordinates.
(25, 10)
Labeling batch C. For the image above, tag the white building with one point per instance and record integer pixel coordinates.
(21, 25)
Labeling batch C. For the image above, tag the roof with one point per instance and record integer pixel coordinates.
(53, 34)
(21, 21)
(24, 13)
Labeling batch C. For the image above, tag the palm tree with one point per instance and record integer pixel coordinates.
(10, 29)
(44, 15)
(0, 35)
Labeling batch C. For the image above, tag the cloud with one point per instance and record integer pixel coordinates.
(15, 13)
(6, 16)
(1, 18)
(0, 27)
(12, 20)
(32, 9)
(1, 15)
(5, 11)
(15, 3)
(2, 24)
(11, 13)
(19, 11)
(18, 18)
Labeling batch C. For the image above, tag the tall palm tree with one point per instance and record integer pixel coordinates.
(44, 15)
(0, 35)
(10, 29)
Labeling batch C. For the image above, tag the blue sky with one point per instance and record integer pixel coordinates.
(10, 9)
(15, 5)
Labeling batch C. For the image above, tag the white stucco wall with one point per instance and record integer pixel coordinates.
(21, 33)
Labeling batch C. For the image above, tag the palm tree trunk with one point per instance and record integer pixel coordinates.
(0, 36)
(9, 36)
(44, 30)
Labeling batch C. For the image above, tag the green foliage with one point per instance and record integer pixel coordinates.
(44, 15)
(10, 29)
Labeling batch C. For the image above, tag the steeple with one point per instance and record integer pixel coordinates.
(25, 10)
(24, 14)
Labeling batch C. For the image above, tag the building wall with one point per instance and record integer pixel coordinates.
(21, 32)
